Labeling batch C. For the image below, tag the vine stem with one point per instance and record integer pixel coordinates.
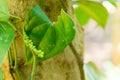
(10, 63)
(10, 58)
(35, 63)
(80, 60)
(20, 32)
(16, 62)
(11, 15)
(16, 17)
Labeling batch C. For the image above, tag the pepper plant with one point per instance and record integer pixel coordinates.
(43, 38)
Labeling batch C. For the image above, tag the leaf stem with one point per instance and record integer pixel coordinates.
(10, 58)
(11, 15)
(16, 17)
(20, 32)
(35, 63)
(16, 62)
(10, 63)
(80, 61)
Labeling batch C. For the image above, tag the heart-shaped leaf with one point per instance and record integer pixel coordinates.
(6, 37)
(47, 37)
(58, 36)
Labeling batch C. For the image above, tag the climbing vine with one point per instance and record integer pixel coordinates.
(43, 38)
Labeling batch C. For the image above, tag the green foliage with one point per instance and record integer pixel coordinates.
(114, 3)
(90, 9)
(6, 31)
(4, 13)
(6, 37)
(1, 74)
(45, 36)
(45, 39)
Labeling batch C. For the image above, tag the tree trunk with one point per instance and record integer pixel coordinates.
(68, 65)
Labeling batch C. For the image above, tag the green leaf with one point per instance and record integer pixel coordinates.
(6, 37)
(47, 37)
(4, 12)
(91, 9)
(81, 15)
(114, 4)
(1, 74)
(58, 36)
(36, 25)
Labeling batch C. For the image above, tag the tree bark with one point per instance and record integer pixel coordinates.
(68, 65)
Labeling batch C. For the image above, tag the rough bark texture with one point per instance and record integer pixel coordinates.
(65, 66)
